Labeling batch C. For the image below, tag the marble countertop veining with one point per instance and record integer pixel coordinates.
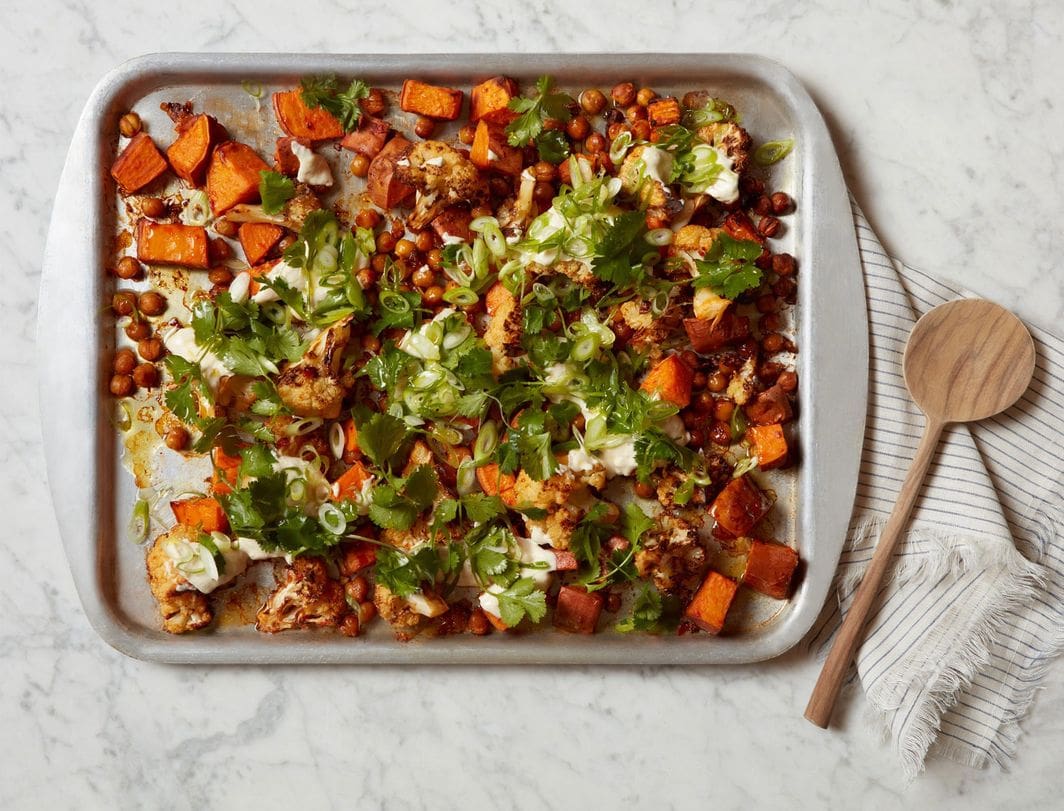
(948, 120)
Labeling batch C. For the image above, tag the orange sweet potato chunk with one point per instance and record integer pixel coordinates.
(351, 450)
(258, 239)
(663, 111)
(496, 483)
(454, 222)
(770, 568)
(191, 152)
(769, 444)
(709, 336)
(491, 150)
(382, 186)
(226, 467)
(489, 100)
(233, 176)
(711, 602)
(205, 513)
(431, 101)
(369, 138)
(577, 611)
(350, 483)
(295, 118)
(140, 163)
(161, 243)
(671, 380)
(739, 506)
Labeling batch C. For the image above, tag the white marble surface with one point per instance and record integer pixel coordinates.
(949, 120)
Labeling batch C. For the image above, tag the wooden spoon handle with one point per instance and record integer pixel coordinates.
(822, 701)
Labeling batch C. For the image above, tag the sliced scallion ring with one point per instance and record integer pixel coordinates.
(393, 302)
(198, 209)
(487, 441)
(456, 337)
(124, 417)
(466, 477)
(462, 296)
(253, 89)
(744, 466)
(772, 152)
(337, 440)
(585, 347)
(140, 521)
(297, 490)
(447, 434)
(303, 426)
(659, 237)
(620, 146)
(330, 517)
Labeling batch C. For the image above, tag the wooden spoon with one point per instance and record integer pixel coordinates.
(965, 361)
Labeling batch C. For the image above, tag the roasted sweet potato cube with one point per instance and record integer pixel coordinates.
(351, 451)
(739, 506)
(453, 222)
(496, 483)
(205, 513)
(233, 176)
(498, 298)
(711, 602)
(295, 118)
(431, 101)
(496, 622)
(671, 380)
(739, 226)
(769, 444)
(285, 161)
(140, 163)
(564, 560)
(663, 111)
(489, 100)
(355, 556)
(382, 186)
(770, 568)
(490, 150)
(258, 239)
(369, 138)
(577, 611)
(350, 483)
(226, 468)
(770, 406)
(711, 336)
(191, 152)
(162, 243)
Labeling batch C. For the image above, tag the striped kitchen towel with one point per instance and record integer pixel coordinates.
(974, 613)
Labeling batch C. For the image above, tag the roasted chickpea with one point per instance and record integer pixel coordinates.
(432, 296)
(176, 438)
(121, 385)
(220, 249)
(366, 612)
(543, 192)
(578, 128)
(766, 303)
(595, 143)
(424, 127)
(425, 241)
(466, 134)
(717, 381)
(768, 226)
(151, 348)
(367, 218)
(151, 303)
(720, 434)
(366, 278)
(478, 622)
(773, 342)
(645, 96)
(403, 248)
(128, 268)
(374, 103)
(704, 401)
(379, 262)
(689, 357)
(220, 276)
(786, 288)
(641, 130)
(623, 94)
(644, 490)
(287, 241)
(770, 322)
(612, 514)
(723, 410)
(698, 381)
(545, 171)
(385, 242)
(762, 205)
(553, 124)
(635, 113)
(781, 203)
(697, 437)
(615, 129)
(146, 375)
(748, 184)
(129, 125)
(371, 343)
(350, 626)
(435, 258)
(226, 228)
(691, 418)
(125, 361)
(358, 588)
(153, 207)
(138, 330)
(783, 264)
(359, 166)
(592, 101)
(423, 277)
(124, 302)
(788, 380)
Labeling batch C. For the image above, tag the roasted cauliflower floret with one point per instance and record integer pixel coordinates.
(639, 180)
(395, 610)
(312, 387)
(443, 176)
(505, 327)
(183, 608)
(566, 496)
(516, 213)
(292, 216)
(672, 554)
(696, 239)
(741, 385)
(306, 598)
(729, 138)
(650, 331)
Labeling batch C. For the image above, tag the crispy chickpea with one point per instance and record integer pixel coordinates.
(374, 103)
(125, 360)
(366, 278)
(786, 288)
(723, 410)
(612, 514)
(124, 302)
(704, 401)
(423, 277)
(350, 626)
(697, 437)
(435, 258)
(769, 226)
(176, 438)
(287, 241)
(788, 380)
(717, 381)
(553, 124)
(773, 342)
(138, 330)
(385, 242)
(769, 371)
(220, 249)
(595, 143)
(358, 588)
(426, 241)
(220, 276)
(359, 166)
(691, 418)
(564, 173)
(762, 205)
(128, 268)
(623, 94)
(641, 130)
(578, 128)
(121, 385)
(371, 343)
(146, 375)
(466, 134)
(635, 113)
(153, 207)
(432, 296)
(379, 262)
(645, 96)
(151, 303)
(424, 127)
(783, 264)
(545, 171)
(129, 125)
(615, 129)
(720, 434)
(403, 248)
(644, 490)
(781, 203)
(592, 101)
(698, 382)
(367, 218)
(748, 184)
(478, 622)
(226, 228)
(770, 322)
(543, 192)
(766, 303)
(151, 348)
(366, 612)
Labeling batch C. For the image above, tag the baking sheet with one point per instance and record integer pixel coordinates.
(93, 494)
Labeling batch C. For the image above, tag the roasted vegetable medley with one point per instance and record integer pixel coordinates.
(526, 368)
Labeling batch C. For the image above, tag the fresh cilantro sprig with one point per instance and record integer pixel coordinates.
(399, 501)
(188, 390)
(520, 600)
(728, 267)
(324, 91)
(403, 573)
(275, 190)
(528, 126)
(646, 611)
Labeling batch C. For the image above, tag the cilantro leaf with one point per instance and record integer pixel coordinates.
(402, 573)
(255, 460)
(324, 91)
(616, 258)
(481, 508)
(380, 436)
(586, 540)
(728, 267)
(646, 611)
(520, 600)
(189, 386)
(421, 486)
(553, 146)
(634, 522)
(655, 448)
(275, 190)
(527, 126)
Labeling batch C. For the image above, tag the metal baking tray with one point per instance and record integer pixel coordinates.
(93, 494)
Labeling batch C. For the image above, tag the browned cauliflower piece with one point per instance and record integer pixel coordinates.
(696, 239)
(183, 608)
(566, 496)
(650, 331)
(396, 611)
(292, 216)
(420, 531)
(515, 213)
(672, 555)
(505, 327)
(306, 598)
(443, 176)
(637, 182)
(729, 138)
(312, 387)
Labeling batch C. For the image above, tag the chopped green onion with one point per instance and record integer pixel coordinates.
(620, 146)
(466, 477)
(337, 440)
(659, 237)
(198, 209)
(124, 420)
(253, 89)
(487, 441)
(462, 296)
(330, 517)
(139, 521)
(275, 311)
(744, 466)
(772, 152)
(586, 347)
(303, 426)
(457, 337)
(737, 423)
(394, 302)
(297, 490)
(447, 434)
